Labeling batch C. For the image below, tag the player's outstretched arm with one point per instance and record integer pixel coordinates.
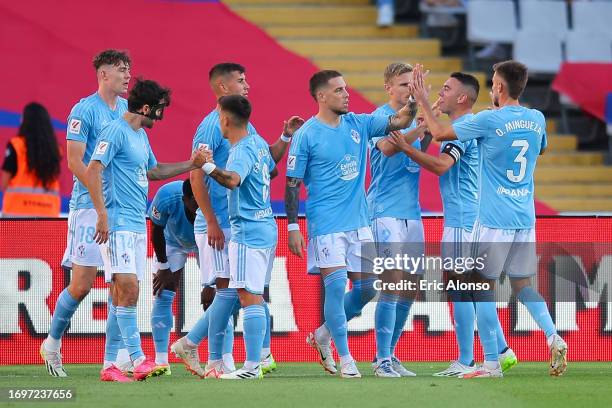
(228, 179)
(292, 201)
(437, 165)
(76, 151)
(389, 148)
(93, 181)
(404, 117)
(278, 149)
(168, 170)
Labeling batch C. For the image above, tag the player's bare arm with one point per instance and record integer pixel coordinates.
(168, 170)
(278, 149)
(389, 148)
(76, 151)
(93, 181)
(292, 202)
(162, 276)
(404, 117)
(437, 165)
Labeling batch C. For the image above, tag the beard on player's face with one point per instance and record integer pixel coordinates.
(340, 111)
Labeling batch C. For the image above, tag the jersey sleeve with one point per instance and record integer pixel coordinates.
(242, 161)
(152, 160)
(159, 210)
(207, 136)
(474, 128)
(79, 125)
(110, 142)
(375, 125)
(299, 154)
(544, 134)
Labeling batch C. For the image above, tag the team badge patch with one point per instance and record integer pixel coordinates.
(203, 146)
(355, 136)
(74, 126)
(291, 163)
(102, 147)
(155, 213)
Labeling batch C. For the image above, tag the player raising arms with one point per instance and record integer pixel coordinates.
(457, 166)
(510, 140)
(212, 232)
(125, 159)
(172, 214)
(253, 229)
(86, 121)
(329, 155)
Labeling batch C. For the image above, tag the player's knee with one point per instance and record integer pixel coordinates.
(519, 284)
(79, 290)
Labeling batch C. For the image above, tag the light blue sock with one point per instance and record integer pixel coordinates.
(384, 323)
(219, 313)
(114, 341)
(360, 294)
(464, 314)
(502, 345)
(161, 320)
(333, 309)
(228, 339)
(537, 309)
(267, 339)
(402, 310)
(254, 319)
(128, 324)
(487, 321)
(200, 330)
(64, 309)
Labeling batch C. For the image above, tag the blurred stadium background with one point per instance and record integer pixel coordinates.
(47, 49)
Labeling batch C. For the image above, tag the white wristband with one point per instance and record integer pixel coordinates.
(293, 227)
(164, 265)
(285, 139)
(208, 167)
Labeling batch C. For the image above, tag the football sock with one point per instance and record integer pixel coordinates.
(384, 323)
(161, 324)
(537, 308)
(333, 309)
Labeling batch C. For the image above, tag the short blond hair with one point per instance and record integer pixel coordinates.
(396, 69)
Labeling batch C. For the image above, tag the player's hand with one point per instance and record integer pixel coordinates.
(419, 90)
(292, 125)
(161, 280)
(101, 234)
(198, 158)
(216, 238)
(436, 108)
(207, 296)
(399, 140)
(297, 245)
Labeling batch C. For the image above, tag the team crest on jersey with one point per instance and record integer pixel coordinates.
(155, 213)
(325, 252)
(74, 126)
(126, 258)
(102, 147)
(355, 136)
(291, 162)
(81, 251)
(141, 177)
(347, 168)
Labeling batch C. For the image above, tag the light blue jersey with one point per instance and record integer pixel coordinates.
(459, 185)
(209, 136)
(168, 211)
(85, 123)
(509, 140)
(332, 162)
(126, 156)
(394, 190)
(250, 212)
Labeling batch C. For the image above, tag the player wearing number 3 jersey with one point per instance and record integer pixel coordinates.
(510, 139)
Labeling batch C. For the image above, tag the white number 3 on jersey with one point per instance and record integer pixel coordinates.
(521, 160)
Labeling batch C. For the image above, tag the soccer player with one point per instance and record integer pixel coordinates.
(124, 157)
(172, 214)
(457, 166)
(329, 155)
(510, 140)
(396, 221)
(253, 229)
(212, 230)
(85, 122)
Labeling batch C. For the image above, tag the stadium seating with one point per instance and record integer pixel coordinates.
(555, 13)
(541, 51)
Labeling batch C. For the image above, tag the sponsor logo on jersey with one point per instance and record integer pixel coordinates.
(74, 126)
(102, 147)
(347, 169)
(203, 146)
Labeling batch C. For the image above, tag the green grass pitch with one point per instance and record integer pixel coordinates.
(306, 385)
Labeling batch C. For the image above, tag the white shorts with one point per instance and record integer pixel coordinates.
(512, 251)
(80, 245)
(456, 243)
(213, 263)
(125, 252)
(177, 256)
(341, 249)
(250, 268)
(396, 236)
